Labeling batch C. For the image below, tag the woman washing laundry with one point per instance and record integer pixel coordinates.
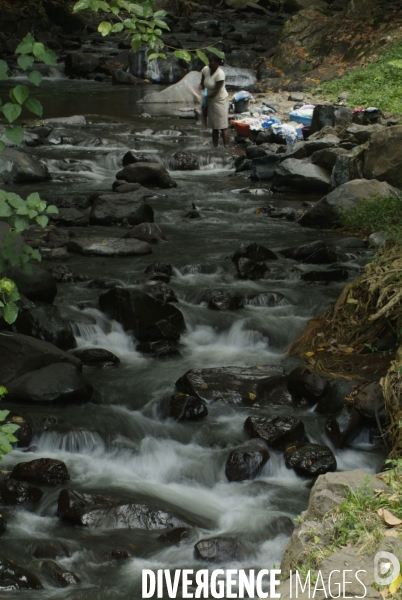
(216, 101)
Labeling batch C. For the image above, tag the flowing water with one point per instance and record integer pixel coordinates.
(117, 444)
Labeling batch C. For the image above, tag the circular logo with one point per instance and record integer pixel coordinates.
(386, 568)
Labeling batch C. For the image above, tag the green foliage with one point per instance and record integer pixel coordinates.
(376, 214)
(378, 84)
(7, 430)
(8, 297)
(143, 25)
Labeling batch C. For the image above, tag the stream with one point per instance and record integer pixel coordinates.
(118, 444)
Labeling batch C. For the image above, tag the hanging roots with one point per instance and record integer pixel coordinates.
(392, 388)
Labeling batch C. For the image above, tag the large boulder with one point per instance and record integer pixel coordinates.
(147, 173)
(96, 357)
(304, 385)
(184, 161)
(21, 354)
(327, 115)
(310, 460)
(47, 324)
(54, 383)
(246, 461)
(113, 209)
(233, 385)
(276, 431)
(313, 253)
(345, 197)
(184, 91)
(42, 470)
(363, 133)
(18, 167)
(100, 246)
(38, 285)
(383, 159)
(302, 176)
(182, 408)
(221, 550)
(254, 252)
(13, 577)
(17, 493)
(158, 71)
(147, 318)
(250, 269)
(80, 64)
(95, 511)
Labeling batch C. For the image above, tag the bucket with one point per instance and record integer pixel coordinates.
(241, 106)
(306, 132)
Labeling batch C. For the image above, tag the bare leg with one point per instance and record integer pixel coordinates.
(225, 137)
(215, 137)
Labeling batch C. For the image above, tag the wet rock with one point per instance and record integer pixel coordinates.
(38, 285)
(49, 549)
(24, 432)
(18, 493)
(253, 251)
(302, 176)
(334, 399)
(54, 383)
(246, 462)
(370, 403)
(182, 92)
(229, 384)
(224, 301)
(158, 71)
(100, 246)
(363, 133)
(280, 526)
(95, 357)
(62, 577)
(21, 354)
(265, 299)
(147, 174)
(42, 470)
(182, 408)
(62, 274)
(48, 325)
(383, 157)
(345, 197)
(342, 427)
(18, 167)
(132, 157)
(326, 276)
(276, 431)
(321, 142)
(194, 269)
(159, 348)
(113, 209)
(3, 524)
(327, 115)
(122, 78)
(94, 511)
(161, 292)
(264, 168)
(250, 269)
(147, 318)
(14, 577)
(80, 64)
(184, 161)
(119, 554)
(191, 214)
(310, 460)
(175, 537)
(314, 253)
(351, 243)
(326, 158)
(302, 384)
(160, 267)
(70, 217)
(146, 232)
(221, 550)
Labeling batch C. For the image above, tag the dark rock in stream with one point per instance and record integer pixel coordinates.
(17, 493)
(95, 357)
(24, 432)
(54, 383)
(335, 398)
(265, 299)
(314, 253)
(159, 348)
(220, 300)
(370, 402)
(38, 285)
(3, 524)
(221, 550)
(147, 318)
(276, 431)
(250, 269)
(62, 274)
(146, 232)
(48, 325)
(21, 354)
(325, 276)
(42, 470)
(305, 385)
(19, 167)
(122, 78)
(50, 549)
(254, 252)
(310, 460)
(343, 427)
(301, 176)
(132, 157)
(147, 174)
(13, 577)
(118, 554)
(246, 462)
(61, 577)
(100, 246)
(160, 291)
(80, 64)
(160, 267)
(184, 161)
(175, 537)
(182, 408)
(113, 209)
(95, 510)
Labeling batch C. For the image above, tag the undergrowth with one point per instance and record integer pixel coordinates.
(376, 214)
(378, 84)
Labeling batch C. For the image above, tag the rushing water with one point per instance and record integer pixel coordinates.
(117, 444)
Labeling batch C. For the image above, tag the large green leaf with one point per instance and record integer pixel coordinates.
(214, 50)
(19, 93)
(10, 312)
(162, 24)
(183, 54)
(34, 106)
(35, 77)
(2, 145)
(26, 46)
(3, 74)
(104, 28)
(49, 57)
(136, 42)
(25, 61)
(52, 210)
(80, 5)
(3, 413)
(11, 111)
(42, 220)
(160, 13)
(14, 134)
(117, 27)
(202, 56)
(5, 210)
(38, 49)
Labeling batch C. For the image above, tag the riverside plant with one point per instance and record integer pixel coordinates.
(7, 430)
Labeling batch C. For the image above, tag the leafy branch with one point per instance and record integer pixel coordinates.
(7, 430)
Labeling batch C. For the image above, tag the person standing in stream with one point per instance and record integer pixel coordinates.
(217, 100)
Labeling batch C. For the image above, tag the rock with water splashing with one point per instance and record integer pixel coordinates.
(95, 511)
(302, 176)
(175, 537)
(276, 431)
(100, 246)
(305, 385)
(310, 460)
(146, 173)
(182, 408)
(325, 276)
(233, 385)
(18, 167)
(62, 577)
(48, 325)
(147, 318)
(344, 426)
(132, 157)
(55, 383)
(265, 299)
(160, 267)
(222, 550)
(160, 291)
(160, 70)
(317, 252)
(159, 348)
(253, 251)
(250, 269)
(146, 232)
(130, 208)
(38, 285)
(41, 470)
(13, 577)
(18, 493)
(221, 300)
(21, 354)
(184, 161)
(246, 462)
(95, 357)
